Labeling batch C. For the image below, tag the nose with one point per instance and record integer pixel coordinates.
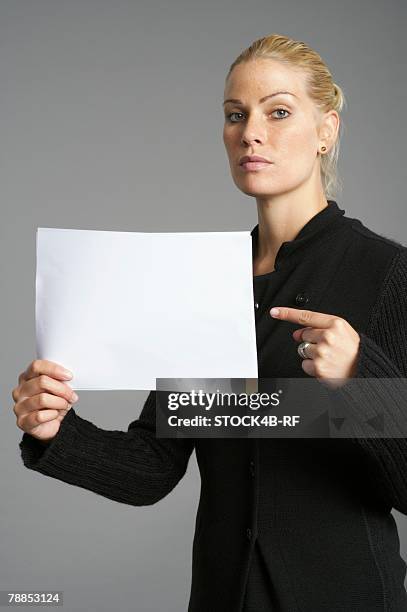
(253, 132)
(247, 140)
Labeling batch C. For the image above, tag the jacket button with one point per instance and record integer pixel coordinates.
(252, 468)
(301, 298)
(249, 533)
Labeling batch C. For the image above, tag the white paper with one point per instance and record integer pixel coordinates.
(120, 309)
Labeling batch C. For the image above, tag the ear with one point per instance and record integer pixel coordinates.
(329, 128)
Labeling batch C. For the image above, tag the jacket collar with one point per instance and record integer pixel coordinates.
(291, 251)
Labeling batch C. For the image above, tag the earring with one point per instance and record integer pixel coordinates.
(323, 148)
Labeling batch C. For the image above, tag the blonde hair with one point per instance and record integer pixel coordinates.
(320, 87)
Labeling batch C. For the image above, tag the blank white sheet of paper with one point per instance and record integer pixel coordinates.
(120, 309)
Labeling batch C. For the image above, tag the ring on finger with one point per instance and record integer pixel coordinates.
(302, 348)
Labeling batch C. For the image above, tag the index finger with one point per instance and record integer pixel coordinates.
(303, 317)
(44, 366)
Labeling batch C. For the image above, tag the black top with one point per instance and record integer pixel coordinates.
(314, 515)
(260, 285)
(260, 594)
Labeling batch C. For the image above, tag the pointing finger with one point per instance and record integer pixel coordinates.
(303, 317)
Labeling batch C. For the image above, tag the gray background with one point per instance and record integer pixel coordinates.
(111, 119)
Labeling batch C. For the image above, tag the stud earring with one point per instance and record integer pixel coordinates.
(323, 148)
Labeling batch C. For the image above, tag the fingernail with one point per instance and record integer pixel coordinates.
(74, 397)
(66, 373)
(274, 312)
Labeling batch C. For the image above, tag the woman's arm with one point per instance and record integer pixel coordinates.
(383, 355)
(132, 467)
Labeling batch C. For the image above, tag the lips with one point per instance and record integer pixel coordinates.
(253, 158)
(254, 163)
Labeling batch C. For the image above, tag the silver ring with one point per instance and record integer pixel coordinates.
(301, 348)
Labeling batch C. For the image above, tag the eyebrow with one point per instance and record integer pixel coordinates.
(276, 93)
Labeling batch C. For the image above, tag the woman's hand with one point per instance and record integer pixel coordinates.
(332, 356)
(42, 399)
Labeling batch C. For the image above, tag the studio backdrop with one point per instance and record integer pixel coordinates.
(111, 119)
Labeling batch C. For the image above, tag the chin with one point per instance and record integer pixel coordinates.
(256, 188)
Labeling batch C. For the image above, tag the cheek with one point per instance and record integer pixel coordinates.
(295, 143)
(295, 154)
(225, 136)
(229, 141)
(231, 137)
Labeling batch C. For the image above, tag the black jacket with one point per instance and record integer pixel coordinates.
(318, 510)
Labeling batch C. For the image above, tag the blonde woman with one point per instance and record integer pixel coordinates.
(294, 525)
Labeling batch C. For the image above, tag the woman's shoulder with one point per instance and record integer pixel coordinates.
(376, 245)
(375, 260)
(367, 233)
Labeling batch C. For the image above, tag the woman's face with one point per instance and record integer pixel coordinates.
(282, 128)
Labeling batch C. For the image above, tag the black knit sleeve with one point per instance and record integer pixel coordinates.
(382, 362)
(133, 467)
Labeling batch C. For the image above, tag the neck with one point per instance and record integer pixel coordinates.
(280, 219)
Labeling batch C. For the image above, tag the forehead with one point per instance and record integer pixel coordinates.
(262, 77)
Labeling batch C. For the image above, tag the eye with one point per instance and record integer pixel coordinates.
(284, 111)
(229, 116)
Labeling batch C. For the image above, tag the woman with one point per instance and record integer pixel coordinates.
(282, 524)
